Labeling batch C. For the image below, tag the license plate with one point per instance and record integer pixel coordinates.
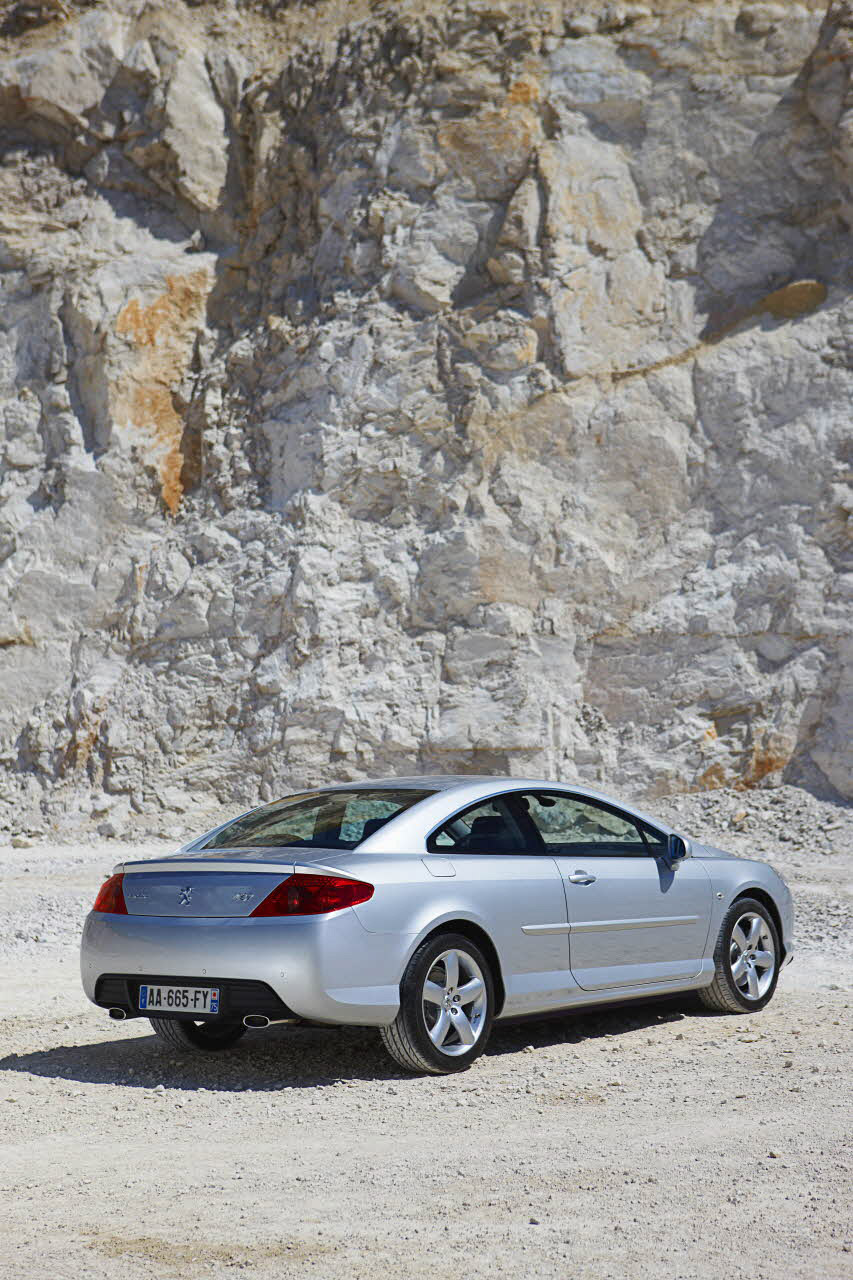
(179, 999)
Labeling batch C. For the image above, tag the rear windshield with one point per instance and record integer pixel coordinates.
(316, 819)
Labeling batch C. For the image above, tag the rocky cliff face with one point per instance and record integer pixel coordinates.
(397, 387)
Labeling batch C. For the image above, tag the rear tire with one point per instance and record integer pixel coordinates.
(207, 1037)
(746, 960)
(447, 1002)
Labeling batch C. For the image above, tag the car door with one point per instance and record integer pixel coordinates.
(634, 918)
(514, 884)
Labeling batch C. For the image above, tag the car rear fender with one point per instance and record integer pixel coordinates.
(479, 936)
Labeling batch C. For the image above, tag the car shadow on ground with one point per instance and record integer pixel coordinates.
(307, 1057)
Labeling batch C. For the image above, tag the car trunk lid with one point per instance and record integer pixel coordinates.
(195, 891)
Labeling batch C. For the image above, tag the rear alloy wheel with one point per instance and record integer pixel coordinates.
(447, 1000)
(205, 1036)
(746, 959)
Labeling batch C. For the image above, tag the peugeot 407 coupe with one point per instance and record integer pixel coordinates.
(428, 908)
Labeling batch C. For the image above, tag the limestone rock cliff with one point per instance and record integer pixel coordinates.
(389, 387)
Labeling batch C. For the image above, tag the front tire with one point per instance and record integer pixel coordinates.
(746, 960)
(447, 1002)
(205, 1037)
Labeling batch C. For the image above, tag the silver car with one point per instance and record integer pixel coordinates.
(428, 907)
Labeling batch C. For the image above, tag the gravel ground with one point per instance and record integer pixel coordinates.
(647, 1140)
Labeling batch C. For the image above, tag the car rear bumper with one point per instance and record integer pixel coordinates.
(323, 968)
(237, 997)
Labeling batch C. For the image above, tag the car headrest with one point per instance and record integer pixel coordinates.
(372, 825)
(487, 826)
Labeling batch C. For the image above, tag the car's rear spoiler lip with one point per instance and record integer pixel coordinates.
(209, 865)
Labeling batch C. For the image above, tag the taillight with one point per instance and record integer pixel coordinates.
(111, 897)
(307, 895)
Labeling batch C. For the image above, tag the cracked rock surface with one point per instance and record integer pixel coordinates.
(407, 387)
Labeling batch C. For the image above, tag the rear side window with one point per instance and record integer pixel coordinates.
(316, 819)
(488, 827)
(572, 824)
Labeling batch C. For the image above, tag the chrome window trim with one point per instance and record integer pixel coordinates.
(466, 808)
(550, 789)
(635, 821)
(592, 801)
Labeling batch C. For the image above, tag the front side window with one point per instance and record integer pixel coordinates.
(316, 819)
(488, 827)
(571, 824)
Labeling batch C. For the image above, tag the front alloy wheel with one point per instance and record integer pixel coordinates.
(746, 960)
(446, 1007)
(752, 956)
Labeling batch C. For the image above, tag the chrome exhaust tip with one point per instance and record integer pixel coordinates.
(118, 1015)
(259, 1021)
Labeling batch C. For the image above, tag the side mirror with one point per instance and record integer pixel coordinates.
(676, 848)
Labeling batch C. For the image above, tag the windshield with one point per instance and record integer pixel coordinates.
(316, 819)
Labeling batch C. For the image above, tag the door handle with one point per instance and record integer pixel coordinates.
(581, 877)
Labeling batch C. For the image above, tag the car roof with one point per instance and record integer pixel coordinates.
(430, 810)
(431, 781)
(450, 781)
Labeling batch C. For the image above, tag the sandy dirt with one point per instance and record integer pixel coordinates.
(650, 1140)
